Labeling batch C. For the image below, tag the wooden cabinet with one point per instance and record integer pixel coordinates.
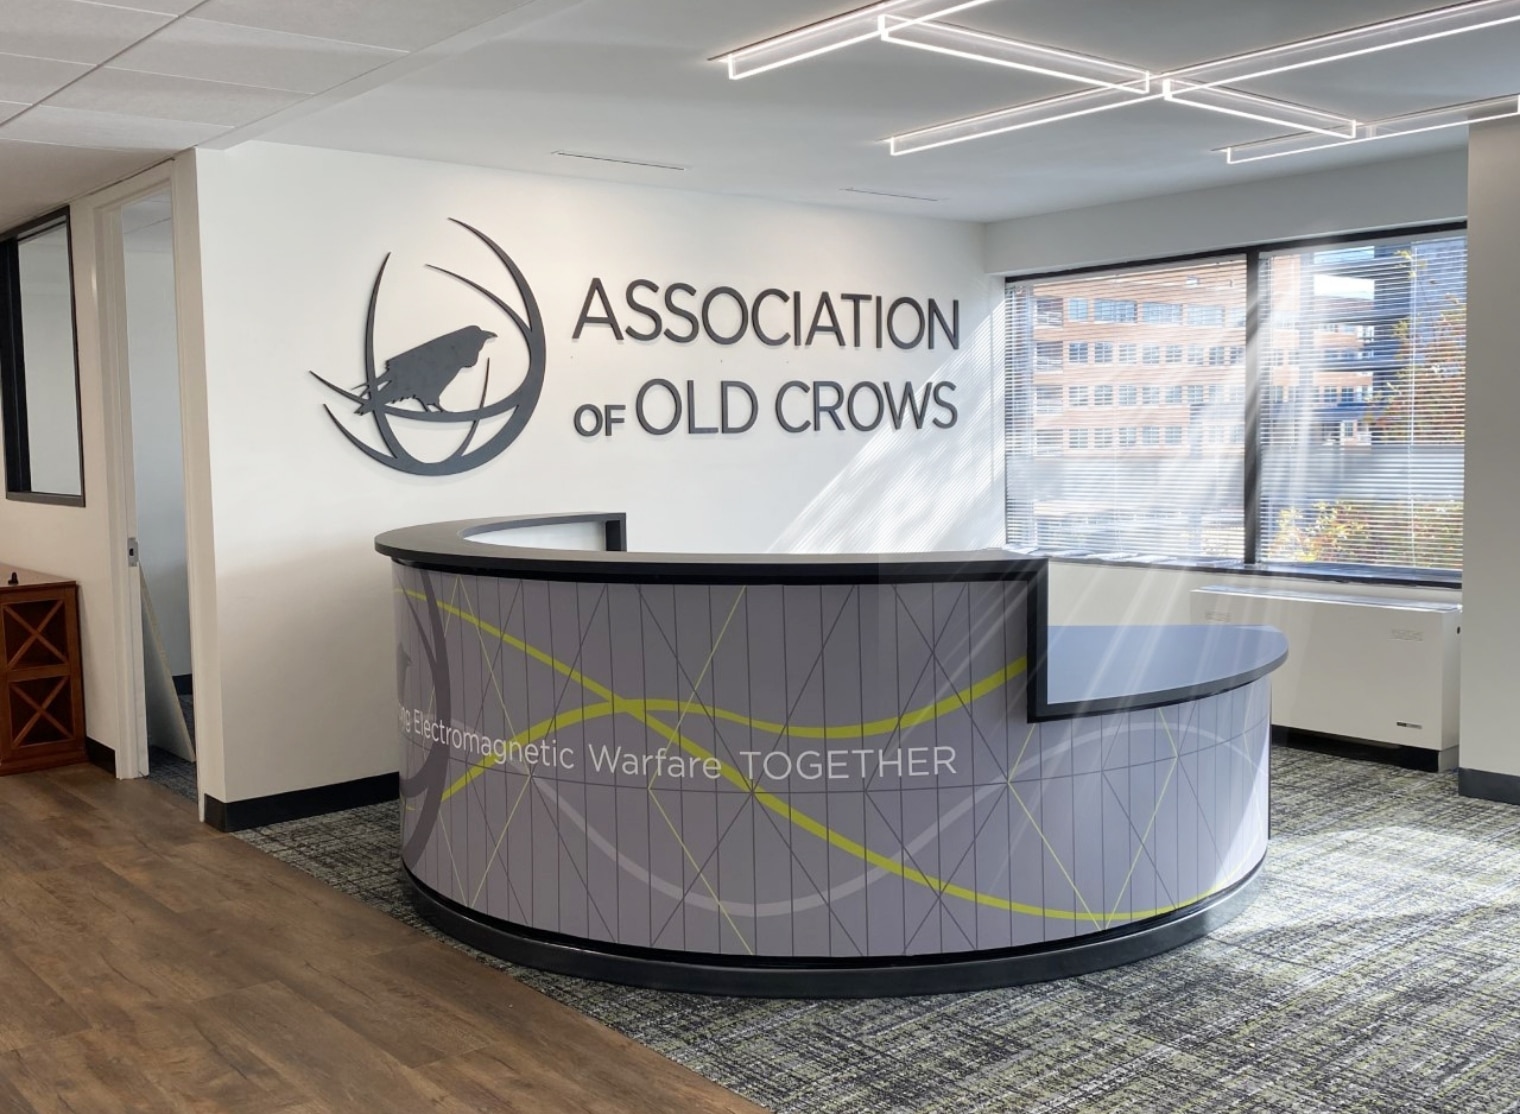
(41, 686)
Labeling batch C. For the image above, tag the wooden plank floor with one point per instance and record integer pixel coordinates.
(149, 963)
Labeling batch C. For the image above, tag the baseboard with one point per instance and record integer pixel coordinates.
(256, 812)
(1487, 786)
(1388, 754)
(100, 755)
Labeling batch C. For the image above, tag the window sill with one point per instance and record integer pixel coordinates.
(1325, 573)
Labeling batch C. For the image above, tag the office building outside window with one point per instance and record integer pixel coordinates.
(1362, 432)
(1143, 487)
(1356, 454)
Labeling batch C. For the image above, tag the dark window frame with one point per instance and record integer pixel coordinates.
(1255, 380)
(13, 411)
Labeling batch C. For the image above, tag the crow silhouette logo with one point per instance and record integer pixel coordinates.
(425, 372)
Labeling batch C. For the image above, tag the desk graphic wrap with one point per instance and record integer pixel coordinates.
(832, 774)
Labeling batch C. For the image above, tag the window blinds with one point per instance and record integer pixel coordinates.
(1363, 407)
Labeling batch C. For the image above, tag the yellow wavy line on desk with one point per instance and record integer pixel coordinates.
(641, 710)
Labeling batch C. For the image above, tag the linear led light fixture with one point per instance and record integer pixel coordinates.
(1405, 31)
(1412, 123)
(1048, 111)
(838, 31)
(979, 46)
(1232, 102)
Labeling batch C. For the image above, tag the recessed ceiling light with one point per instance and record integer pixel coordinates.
(1232, 102)
(1013, 119)
(852, 27)
(1411, 123)
(616, 159)
(1422, 27)
(978, 46)
(1206, 85)
(888, 193)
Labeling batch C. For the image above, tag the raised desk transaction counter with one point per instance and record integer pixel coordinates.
(810, 775)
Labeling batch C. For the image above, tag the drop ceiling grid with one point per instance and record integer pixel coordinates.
(153, 77)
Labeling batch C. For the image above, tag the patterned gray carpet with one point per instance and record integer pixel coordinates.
(1378, 971)
(172, 772)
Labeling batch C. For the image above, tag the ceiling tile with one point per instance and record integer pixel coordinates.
(131, 93)
(401, 24)
(29, 80)
(38, 177)
(250, 56)
(72, 31)
(74, 127)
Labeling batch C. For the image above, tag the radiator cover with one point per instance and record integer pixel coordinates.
(1380, 670)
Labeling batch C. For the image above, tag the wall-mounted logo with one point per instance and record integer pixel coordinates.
(407, 392)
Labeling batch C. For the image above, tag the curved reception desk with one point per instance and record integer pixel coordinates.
(811, 776)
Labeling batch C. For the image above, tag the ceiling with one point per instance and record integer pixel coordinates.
(90, 92)
(631, 79)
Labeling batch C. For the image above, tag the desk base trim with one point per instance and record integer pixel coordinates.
(884, 977)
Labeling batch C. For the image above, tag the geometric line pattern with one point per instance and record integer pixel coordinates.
(794, 771)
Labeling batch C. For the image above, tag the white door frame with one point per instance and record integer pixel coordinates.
(103, 286)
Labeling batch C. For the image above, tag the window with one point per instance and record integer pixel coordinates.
(1047, 442)
(1076, 309)
(1050, 313)
(1160, 313)
(1047, 400)
(1371, 478)
(1357, 361)
(1206, 317)
(1076, 352)
(1113, 311)
(39, 378)
(1047, 355)
(1146, 488)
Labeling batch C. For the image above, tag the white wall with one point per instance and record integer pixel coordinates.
(74, 541)
(1422, 190)
(1491, 653)
(291, 239)
(153, 359)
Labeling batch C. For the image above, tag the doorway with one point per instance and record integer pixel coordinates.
(157, 548)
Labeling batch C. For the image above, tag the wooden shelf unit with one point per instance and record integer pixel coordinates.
(41, 679)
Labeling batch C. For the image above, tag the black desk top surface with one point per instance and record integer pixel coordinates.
(1077, 670)
(1096, 669)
